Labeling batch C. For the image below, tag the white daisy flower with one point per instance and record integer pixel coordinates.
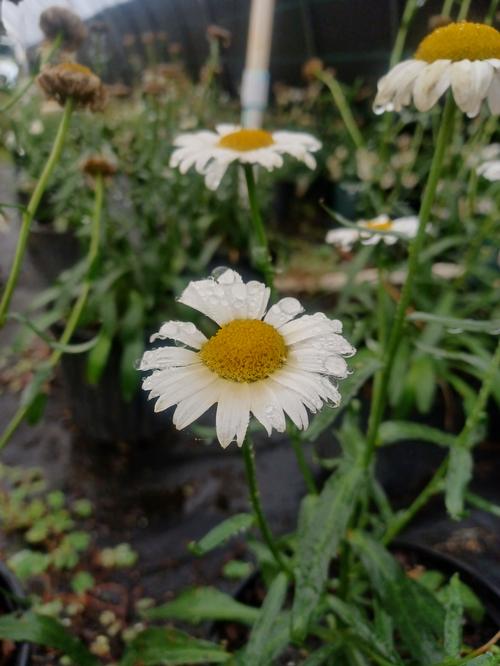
(490, 170)
(265, 364)
(347, 236)
(212, 152)
(464, 56)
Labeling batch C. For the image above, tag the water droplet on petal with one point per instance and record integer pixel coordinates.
(290, 306)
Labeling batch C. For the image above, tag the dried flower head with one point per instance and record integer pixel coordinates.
(71, 80)
(119, 90)
(99, 165)
(311, 68)
(220, 34)
(61, 22)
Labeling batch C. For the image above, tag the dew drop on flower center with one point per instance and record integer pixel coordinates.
(245, 350)
(460, 41)
(244, 140)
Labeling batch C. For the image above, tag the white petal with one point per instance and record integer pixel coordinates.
(283, 311)
(226, 128)
(182, 331)
(265, 406)
(309, 326)
(430, 84)
(214, 173)
(180, 385)
(192, 407)
(343, 237)
(331, 344)
(168, 357)
(494, 94)
(291, 402)
(399, 78)
(325, 363)
(233, 413)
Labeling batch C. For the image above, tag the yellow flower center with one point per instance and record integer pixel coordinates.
(245, 350)
(75, 68)
(377, 225)
(246, 139)
(460, 41)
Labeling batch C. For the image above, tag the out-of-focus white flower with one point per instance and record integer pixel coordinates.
(268, 364)
(210, 153)
(347, 236)
(462, 56)
(490, 170)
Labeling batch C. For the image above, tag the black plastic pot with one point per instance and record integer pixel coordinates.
(100, 411)
(11, 598)
(52, 252)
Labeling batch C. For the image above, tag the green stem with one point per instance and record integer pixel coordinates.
(343, 106)
(251, 476)
(260, 245)
(488, 19)
(408, 14)
(76, 311)
(403, 518)
(380, 392)
(297, 446)
(447, 7)
(464, 10)
(32, 208)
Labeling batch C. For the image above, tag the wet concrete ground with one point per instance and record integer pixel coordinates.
(160, 496)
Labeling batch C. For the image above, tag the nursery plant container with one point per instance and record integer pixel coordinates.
(100, 411)
(11, 594)
(52, 252)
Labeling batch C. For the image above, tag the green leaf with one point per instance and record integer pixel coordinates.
(237, 569)
(129, 376)
(166, 647)
(26, 563)
(82, 581)
(46, 631)
(319, 539)
(261, 649)
(133, 318)
(321, 656)
(353, 618)
(98, 357)
(204, 603)
(453, 619)
(417, 615)
(53, 344)
(229, 528)
(364, 366)
(455, 325)
(397, 431)
(458, 475)
(423, 382)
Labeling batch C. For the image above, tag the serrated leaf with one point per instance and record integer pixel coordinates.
(458, 475)
(453, 619)
(226, 530)
(418, 616)
(43, 630)
(26, 563)
(82, 581)
(167, 647)
(204, 603)
(261, 649)
(397, 431)
(319, 541)
(364, 366)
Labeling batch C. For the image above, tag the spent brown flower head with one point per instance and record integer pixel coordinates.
(59, 21)
(99, 165)
(72, 80)
(220, 34)
(311, 68)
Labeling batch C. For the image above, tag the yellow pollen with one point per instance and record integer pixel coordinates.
(460, 41)
(376, 225)
(246, 139)
(75, 67)
(245, 350)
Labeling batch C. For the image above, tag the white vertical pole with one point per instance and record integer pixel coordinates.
(255, 82)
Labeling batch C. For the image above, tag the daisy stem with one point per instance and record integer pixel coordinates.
(464, 10)
(76, 311)
(297, 445)
(488, 19)
(447, 7)
(251, 476)
(260, 245)
(408, 14)
(342, 104)
(31, 209)
(382, 380)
